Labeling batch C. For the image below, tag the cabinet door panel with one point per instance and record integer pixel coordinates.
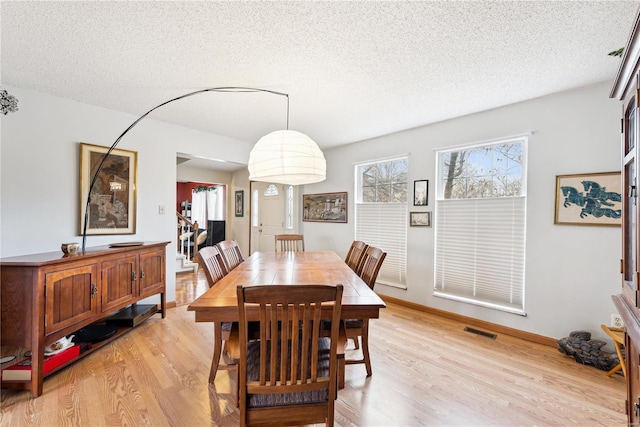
(152, 266)
(70, 297)
(119, 278)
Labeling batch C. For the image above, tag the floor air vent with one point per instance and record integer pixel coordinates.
(478, 332)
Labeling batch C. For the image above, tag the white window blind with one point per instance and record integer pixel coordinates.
(480, 246)
(384, 225)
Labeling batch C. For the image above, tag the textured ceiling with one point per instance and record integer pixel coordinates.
(353, 70)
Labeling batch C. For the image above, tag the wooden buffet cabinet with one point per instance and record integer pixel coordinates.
(47, 296)
(627, 89)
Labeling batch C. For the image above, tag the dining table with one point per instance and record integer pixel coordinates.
(220, 302)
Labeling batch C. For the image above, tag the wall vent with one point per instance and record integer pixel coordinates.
(479, 332)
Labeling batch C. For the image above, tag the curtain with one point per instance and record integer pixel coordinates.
(208, 204)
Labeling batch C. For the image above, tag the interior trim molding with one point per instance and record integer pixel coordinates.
(517, 333)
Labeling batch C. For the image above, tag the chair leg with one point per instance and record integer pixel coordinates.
(614, 370)
(365, 346)
(217, 351)
(330, 415)
(341, 369)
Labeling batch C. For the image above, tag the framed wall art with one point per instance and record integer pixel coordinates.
(324, 207)
(112, 206)
(421, 193)
(589, 199)
(239, 206)
(420, 219)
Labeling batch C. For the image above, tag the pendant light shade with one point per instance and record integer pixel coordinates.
(287, 157)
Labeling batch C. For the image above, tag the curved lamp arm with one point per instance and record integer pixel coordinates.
(132, 125)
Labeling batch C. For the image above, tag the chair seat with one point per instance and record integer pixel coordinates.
(281, 399)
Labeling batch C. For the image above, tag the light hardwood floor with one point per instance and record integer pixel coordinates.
(426, 371)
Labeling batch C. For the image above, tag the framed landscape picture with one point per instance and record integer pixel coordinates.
(324, 207)
(420, 219)
(589, 199)
(112, 205)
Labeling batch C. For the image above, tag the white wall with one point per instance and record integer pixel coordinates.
(186, 173)
(571, 271)
(39, 178)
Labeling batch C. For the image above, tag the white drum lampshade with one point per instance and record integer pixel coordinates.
(287, 157)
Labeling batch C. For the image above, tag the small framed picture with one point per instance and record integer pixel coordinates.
(421, 193)
(420, 219)
(240, 203)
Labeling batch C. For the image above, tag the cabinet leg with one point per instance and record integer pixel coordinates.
(163, 304)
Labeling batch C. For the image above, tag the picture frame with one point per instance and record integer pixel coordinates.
(112, 207)
(239, 203)
(421, 192)
(420, 219)
(589, 199)
(325, 207)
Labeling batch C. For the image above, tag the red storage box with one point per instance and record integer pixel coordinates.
(21, 371)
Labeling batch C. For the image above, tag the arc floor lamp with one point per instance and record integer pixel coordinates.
(282, 157)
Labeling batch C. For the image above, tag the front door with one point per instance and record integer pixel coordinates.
(272, 203)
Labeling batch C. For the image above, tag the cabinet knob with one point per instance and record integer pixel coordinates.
(94, 290)
(141, 273)
(133, 276)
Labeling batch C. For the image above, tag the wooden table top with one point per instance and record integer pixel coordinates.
(220, 303)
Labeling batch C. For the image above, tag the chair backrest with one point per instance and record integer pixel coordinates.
(370, 265)
(289, 242)
(212, 264)
(355, 254)
(293, 361)
(231, 254)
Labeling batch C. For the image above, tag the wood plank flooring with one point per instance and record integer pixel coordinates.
(426, 372)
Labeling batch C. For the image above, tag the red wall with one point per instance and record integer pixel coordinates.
(183, 192)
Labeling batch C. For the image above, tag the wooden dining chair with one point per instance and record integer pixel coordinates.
(289, 242)
(617, 334)
(355, 254)
(210, 260)
(358, 329)
(289, 375)
(231, 254)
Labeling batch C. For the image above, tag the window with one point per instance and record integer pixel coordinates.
(381, 214)
(254, 208)
(289, 209)
(271, 190)
(480, 224)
